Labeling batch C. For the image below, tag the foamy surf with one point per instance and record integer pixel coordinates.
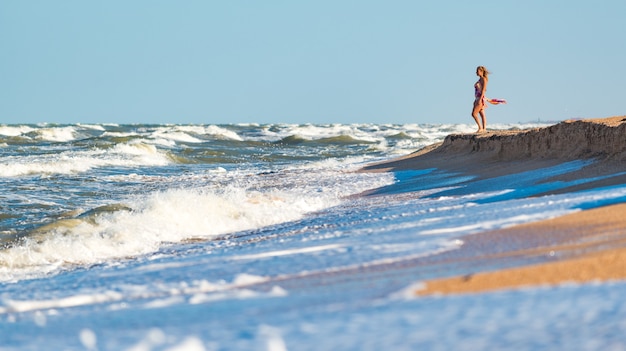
(70, 162)
(144, 223)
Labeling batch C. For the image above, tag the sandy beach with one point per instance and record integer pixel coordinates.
(581, 247)
(586, 246)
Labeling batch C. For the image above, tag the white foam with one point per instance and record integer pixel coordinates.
(157, 295)
(68, 162)
(65, 302)
(218, 131)
(120, 134)
(88, 338)
(15, 130)
(273, 338)
(224, 206)
(168, 216)
(58, 134)
(278, 253)
(190, 133)
(190, 343)
(248, 279)
(176, 136)
(99, 127)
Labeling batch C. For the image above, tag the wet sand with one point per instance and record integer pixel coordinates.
(581, 247)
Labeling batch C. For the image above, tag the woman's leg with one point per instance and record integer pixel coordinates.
(484, 119)
(475, 112)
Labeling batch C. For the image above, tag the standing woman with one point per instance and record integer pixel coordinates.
(479, 98)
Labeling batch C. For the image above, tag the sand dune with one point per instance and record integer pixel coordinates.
(498, 153)
(569, 140)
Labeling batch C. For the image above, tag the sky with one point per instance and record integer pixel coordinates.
(300, 61)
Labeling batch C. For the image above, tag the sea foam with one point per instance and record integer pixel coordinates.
(144, 223)
(132, 154)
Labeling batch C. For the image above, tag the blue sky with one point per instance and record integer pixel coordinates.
(240, 61)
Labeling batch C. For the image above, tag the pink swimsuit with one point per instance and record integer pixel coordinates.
(477, 90)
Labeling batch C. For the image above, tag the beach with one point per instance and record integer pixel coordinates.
(313, 237)
(582, 247)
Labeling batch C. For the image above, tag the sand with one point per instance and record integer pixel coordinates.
(498, 153)
(593, 249)
(582, 247)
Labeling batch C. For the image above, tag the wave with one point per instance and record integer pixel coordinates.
(67, 133)
(194, 133)
(13, 131)
(52, 134)
(70, 161)
(291, 140)
(334, 140)
(141, 224)
(126, 230)
(237, 132)
(72, 149)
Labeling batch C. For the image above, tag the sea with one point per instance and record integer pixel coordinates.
(266, 237)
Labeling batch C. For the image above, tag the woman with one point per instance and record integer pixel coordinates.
(479, 98)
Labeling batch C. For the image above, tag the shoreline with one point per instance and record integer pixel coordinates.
(582, 247)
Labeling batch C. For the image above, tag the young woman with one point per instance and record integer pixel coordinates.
(479, 98)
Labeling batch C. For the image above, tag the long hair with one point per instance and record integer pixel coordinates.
(484, 70)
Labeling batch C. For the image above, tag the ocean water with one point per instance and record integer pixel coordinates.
(256, 237)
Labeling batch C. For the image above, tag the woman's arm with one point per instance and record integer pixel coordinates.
(483, 87)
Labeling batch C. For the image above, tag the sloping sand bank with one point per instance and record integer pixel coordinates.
(498, 153)
(586, 246)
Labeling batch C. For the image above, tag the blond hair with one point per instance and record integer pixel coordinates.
(484, 70)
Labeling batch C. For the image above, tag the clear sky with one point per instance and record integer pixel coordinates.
(318, 61)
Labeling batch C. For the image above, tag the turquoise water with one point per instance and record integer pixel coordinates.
(252, 237)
